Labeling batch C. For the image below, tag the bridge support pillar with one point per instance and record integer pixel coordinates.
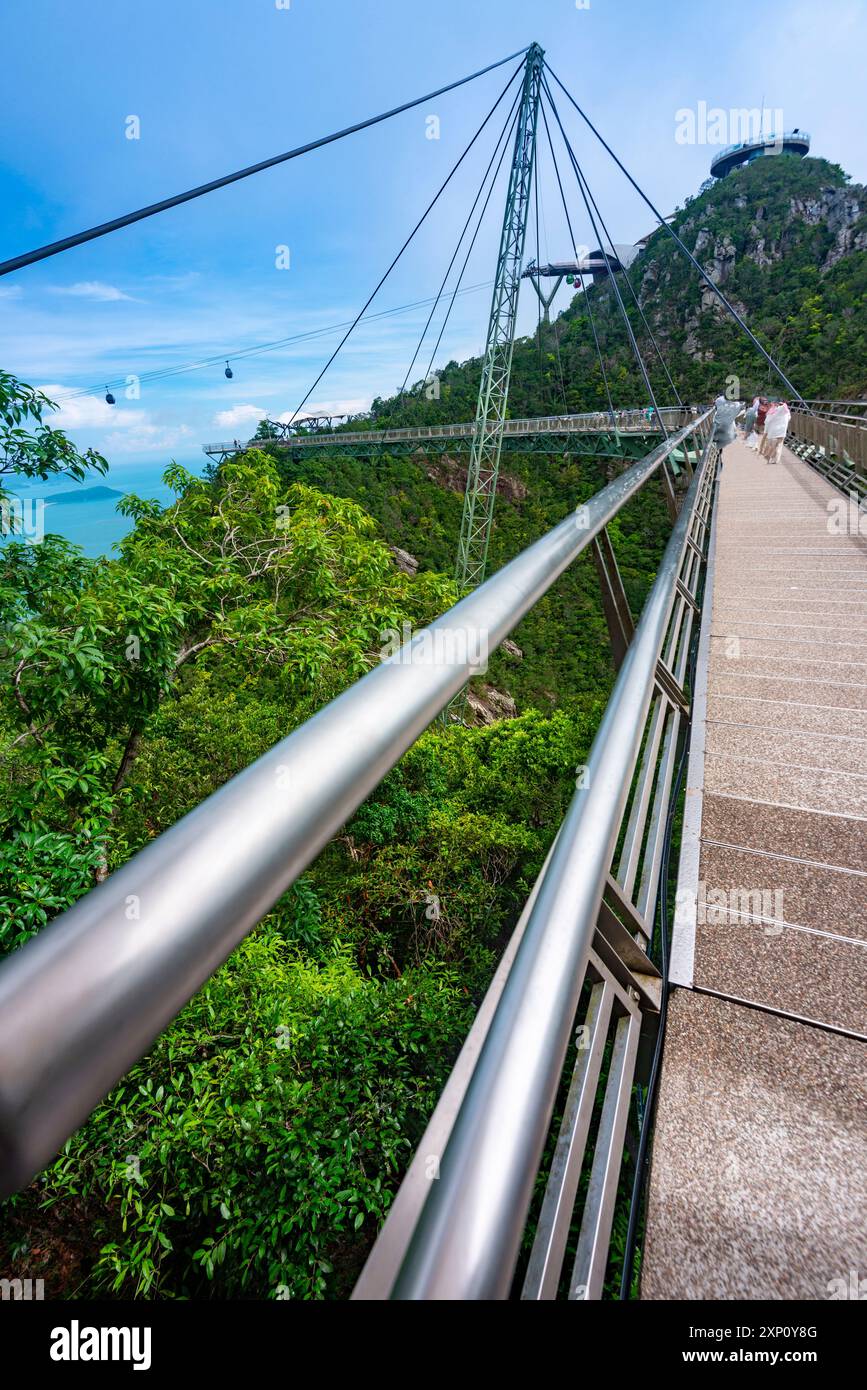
(614, 601)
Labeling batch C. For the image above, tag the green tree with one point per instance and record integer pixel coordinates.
(29, 446)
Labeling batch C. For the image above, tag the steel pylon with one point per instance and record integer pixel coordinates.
(494, 389)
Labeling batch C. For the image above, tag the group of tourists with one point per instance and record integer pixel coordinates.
(764, 425)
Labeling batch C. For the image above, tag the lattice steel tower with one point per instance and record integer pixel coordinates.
(496, 370)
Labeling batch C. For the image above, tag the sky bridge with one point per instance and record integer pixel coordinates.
(691, 959)
(541, 432)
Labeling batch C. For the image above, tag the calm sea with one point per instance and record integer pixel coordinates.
(94, 524)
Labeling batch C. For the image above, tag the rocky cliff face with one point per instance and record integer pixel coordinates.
(838, 211)
(786, 240)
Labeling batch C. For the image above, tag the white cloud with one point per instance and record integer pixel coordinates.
(93, 289)
(130, 430)
(341, 407)
(240, 415)
(82, 412)
(145, 438)
(10, 291)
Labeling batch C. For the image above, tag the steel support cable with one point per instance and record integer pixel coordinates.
(163, 373)
(554, 328)
(586, 300)
(443, 186)
(690, 257)
(471, 246)
(650, 334)
(66, 243)
(629, 284)
(635, 298)
(503, 139)
(542, 391)
(612, 277)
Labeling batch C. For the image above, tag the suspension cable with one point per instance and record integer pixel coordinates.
(504, 135)
(649, 331)
(457, 288)
(554, 323)
(406, 243)
(612, 277)
(690, 257)
(66, 243)
(586, 300)
(602, 224)
(542, 391)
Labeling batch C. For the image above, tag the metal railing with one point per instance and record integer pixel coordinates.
(576, 968)
(794, 136)
(85, 998)
(834, 442)
(854, 412)
(642, 421)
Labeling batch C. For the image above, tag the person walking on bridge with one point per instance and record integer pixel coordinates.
(748, 424)
(727, 412)
(776, 429)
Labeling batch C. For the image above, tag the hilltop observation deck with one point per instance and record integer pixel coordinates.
(795, 142)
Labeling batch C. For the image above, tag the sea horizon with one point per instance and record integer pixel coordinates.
(95, 525)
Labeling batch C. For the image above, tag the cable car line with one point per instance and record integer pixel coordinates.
(161, 373)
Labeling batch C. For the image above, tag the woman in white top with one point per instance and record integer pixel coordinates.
(776, 429)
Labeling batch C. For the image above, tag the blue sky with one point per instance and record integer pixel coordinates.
(218, 84)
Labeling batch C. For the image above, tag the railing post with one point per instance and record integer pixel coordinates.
(614, 601)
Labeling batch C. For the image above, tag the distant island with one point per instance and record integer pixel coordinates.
(87, 494)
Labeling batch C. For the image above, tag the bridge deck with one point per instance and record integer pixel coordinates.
(631, 422)
(759, 1170)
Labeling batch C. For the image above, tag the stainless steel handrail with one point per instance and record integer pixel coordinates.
(83, 1000)
(467, 1236)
